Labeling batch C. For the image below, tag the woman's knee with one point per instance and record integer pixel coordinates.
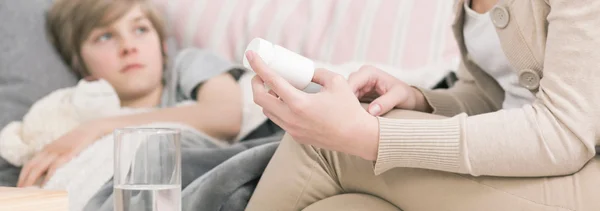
(352, 202)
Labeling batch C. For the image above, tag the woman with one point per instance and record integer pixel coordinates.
(519, 131)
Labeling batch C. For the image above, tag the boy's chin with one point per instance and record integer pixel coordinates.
(137, 91)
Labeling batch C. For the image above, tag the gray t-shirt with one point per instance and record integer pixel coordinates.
(190, 68)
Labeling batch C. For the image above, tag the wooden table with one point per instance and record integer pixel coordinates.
(21, 199)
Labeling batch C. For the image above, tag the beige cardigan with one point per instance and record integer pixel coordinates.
(555, 135)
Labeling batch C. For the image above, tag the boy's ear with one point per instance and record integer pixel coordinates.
(75, 66)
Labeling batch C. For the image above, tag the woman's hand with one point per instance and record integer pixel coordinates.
(385, 92)
(332, 119)
(59, 152)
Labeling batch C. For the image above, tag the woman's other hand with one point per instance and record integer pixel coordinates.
(385, 92)
(332, 118)
(59, 152)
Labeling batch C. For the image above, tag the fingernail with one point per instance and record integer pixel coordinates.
(249, 55)
(374, 110)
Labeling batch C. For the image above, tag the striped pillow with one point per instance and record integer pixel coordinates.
(402, 34)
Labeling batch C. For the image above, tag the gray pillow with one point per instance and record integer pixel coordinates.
(29, 66)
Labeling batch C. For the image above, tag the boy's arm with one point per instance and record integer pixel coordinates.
(202, 76)
(217, 113)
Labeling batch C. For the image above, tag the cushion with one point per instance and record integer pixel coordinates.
(29, 66)
(405, 35)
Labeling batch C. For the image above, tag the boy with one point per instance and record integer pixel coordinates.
(123, 42)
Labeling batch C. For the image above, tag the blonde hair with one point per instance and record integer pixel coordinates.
(70, 22)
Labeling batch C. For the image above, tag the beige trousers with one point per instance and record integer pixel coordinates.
(301, 177)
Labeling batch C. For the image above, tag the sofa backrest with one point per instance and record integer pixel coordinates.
(29, 66)
(406, 34)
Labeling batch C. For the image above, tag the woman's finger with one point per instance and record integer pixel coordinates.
(281, 117)
(271, 92)
(267, 101)
(275, 119)
(368, 95)
(386, 102)
(279, 85)
(362, 78)
(262, 96)
(260, 87)
(324, 77)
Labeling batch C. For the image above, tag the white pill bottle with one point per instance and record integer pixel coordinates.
(296, 69)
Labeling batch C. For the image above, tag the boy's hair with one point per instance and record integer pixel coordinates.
(70, 22)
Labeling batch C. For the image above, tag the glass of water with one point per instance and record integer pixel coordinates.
(147, 169)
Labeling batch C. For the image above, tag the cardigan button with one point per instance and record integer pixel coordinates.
(529, 79)
(500, 17)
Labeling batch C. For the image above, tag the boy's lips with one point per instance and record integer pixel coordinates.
(130, 67)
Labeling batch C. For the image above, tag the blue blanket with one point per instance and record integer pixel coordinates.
(212, 178)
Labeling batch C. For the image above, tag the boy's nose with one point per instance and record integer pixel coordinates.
(127, 48)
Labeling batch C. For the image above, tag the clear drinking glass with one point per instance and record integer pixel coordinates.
(147, 169)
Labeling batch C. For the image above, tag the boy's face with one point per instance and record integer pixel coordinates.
(127, 54)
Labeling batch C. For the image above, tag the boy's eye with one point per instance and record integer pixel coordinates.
(104, 37)
(141, 30)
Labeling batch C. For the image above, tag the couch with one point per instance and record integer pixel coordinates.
(411, 39)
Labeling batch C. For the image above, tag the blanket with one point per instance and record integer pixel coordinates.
(62, 110)
(90, 172)
(86, 174)
(213, 178)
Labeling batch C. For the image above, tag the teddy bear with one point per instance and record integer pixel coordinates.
(54, 115)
